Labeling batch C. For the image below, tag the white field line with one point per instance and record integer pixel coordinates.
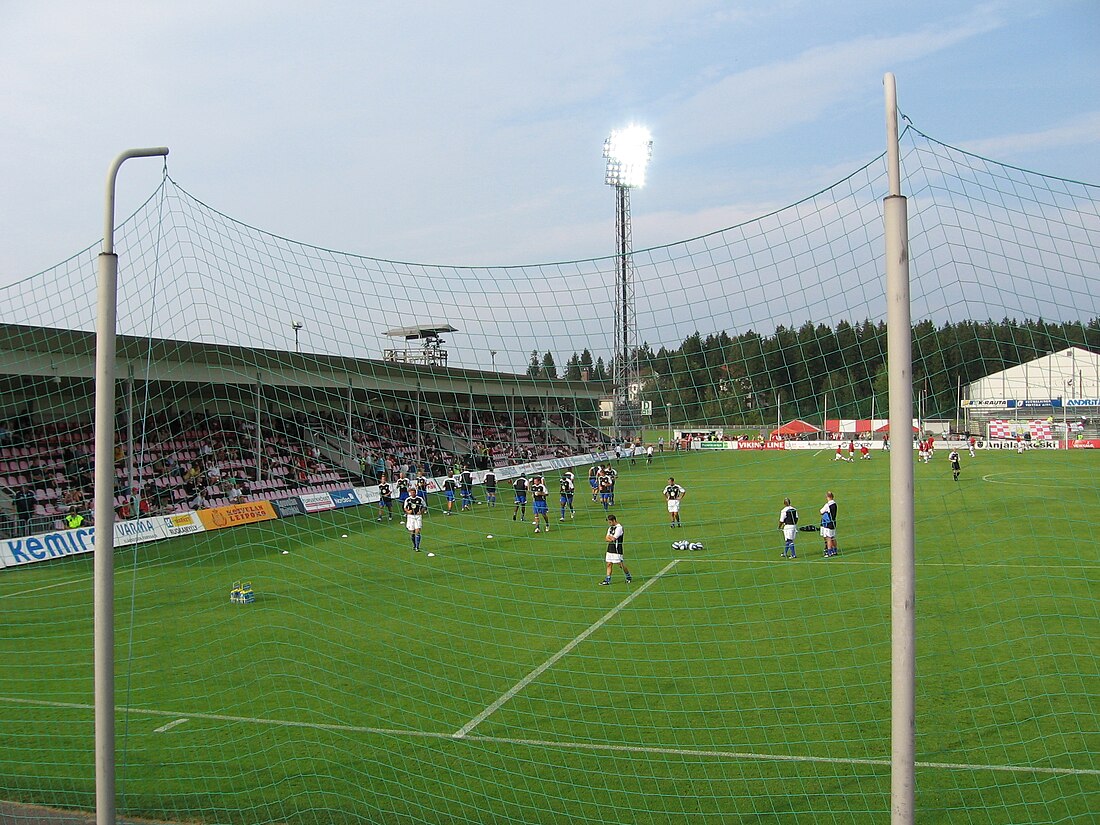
(538, 671)
(169, 726)
(44, 587)
(886, 563)
(584, 746)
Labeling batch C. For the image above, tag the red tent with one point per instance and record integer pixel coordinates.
(885, 428)
(795, 427)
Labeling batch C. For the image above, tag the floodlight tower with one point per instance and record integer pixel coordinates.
(627, 152)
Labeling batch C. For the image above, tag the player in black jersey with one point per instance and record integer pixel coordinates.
(466, 485)
(674, 494)
(541, 507)
(422, 489)
(385, 498)
(490, 488)
(567, 489)
(414, 518)
(614, 552)
(520, 487)
(450, 484)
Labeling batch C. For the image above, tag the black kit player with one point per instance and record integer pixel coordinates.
(385, 499)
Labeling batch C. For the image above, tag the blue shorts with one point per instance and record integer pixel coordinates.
(605, 496)
(566, 500)
(521, 499)
(541, 507)
(450, 495)
(593, 483)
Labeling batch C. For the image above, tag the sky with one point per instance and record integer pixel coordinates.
(472, 133)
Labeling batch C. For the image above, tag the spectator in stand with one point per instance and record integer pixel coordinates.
(73, 519)
(24, 501)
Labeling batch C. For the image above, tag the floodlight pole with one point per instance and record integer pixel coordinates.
(104, 574)
(902, 565)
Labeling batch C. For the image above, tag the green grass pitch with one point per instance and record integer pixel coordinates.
(734, 687)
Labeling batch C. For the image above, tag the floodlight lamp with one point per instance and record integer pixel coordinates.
(628, 151)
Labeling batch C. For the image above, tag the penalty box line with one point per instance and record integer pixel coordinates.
(549, 663)
(696, 753)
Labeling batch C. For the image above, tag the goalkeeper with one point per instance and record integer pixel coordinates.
(788, 521)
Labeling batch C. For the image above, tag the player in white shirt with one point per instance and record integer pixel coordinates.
(788, 521)
(614, 554)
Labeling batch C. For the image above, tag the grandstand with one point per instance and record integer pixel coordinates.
(1055, 395)
(237, 424)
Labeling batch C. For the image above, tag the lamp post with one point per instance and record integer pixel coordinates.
(104, 573)
(296, 326)
(493, 356)
(627, 152)
(668, 409)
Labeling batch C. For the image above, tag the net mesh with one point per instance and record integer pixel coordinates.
(285, 657)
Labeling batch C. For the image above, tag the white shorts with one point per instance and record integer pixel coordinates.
(413, 522)
(828, 532)
(789, 531)
(674, 505)
(613, 558)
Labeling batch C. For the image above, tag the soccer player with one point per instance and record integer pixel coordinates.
(490, 488)
(614, 554)
(886, 443)
(864, 452)
(567, 488)
(385, 498)
(839, 454)
(594, 480)
(922, 450)
(450, 484)
(520, 488)
(971, 443)
(956, 468)
(674, 494)
(649, 454)
(403, 485)
(851, 450)
(788, 519)
(466, 485)
(613, 474)
(828, 524)
(540, 506)
(422, 489)
(414, 518)
(606, 491)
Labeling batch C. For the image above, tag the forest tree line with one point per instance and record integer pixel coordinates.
(742, 378)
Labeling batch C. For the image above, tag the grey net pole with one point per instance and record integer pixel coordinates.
(902, 570)
(104, 574)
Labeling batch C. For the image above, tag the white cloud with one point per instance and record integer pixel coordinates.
(1079, 131)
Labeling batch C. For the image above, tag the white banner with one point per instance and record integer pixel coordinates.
(136, 531)
(316, 502)
(180, 524)
(54, 545)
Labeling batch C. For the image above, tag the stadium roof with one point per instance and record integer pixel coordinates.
(1073, 372)
(411, 333)
(27, 351)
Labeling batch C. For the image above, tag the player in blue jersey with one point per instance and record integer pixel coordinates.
(414, 518)
(541, 507)
(520, 488)
(614, 553)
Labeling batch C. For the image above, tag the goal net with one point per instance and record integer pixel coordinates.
(288, 650)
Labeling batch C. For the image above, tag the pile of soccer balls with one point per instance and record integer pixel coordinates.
(686, 545)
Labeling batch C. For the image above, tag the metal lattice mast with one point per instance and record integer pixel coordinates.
(627, 152)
